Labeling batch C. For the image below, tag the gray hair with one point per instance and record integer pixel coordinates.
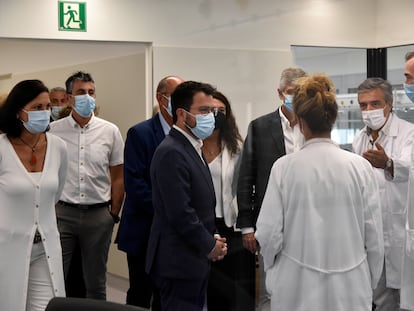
(290, 75)
(377, 83)
(408, 56)
(57, 89)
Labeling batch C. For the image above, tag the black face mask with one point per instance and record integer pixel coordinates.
(220, 120)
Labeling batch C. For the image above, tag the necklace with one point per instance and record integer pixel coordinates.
(213, 152)
(33, 159)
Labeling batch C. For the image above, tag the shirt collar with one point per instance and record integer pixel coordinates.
(165, 126)
(197, 143)
(285, 120)
(73, 122)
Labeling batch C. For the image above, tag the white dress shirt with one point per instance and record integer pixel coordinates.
(216, 175)
(92, 150)
(294, 138)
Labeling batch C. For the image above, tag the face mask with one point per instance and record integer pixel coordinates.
(84, 105)
(288, 102)
(219, 120)
(56, 112)
(204, 125)
(38, 121)
(409, 91)
(374, 119)
(169, 107)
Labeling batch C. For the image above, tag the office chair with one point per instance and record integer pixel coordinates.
(85, 304)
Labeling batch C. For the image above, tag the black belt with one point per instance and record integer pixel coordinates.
(85, 206)
(37, 238)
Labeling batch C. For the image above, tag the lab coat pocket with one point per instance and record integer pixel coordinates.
(409, 243)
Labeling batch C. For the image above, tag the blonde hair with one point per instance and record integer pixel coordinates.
(315, 102)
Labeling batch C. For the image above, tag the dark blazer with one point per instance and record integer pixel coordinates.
(264, 144)
(137, 213)
(184, 201)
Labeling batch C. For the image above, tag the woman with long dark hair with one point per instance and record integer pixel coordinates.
(230, 288)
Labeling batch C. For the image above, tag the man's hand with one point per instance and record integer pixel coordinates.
(219, 250)
(249, 242)
(377, 158)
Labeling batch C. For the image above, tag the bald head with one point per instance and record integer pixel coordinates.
(409, 71)
(165, 88)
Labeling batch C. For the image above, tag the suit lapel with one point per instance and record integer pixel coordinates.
(158, 130)
(276, 130)
(190, 150)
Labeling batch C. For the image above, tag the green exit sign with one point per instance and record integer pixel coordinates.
(72, 16)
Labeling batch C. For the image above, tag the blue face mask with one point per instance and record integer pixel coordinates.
(169, 107)
(288, 102)
(55, 112)
(409, 91)
(204, 125)
(38, 121)
(84, 105)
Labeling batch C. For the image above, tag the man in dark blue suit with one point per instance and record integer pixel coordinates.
(181, 240)
(133, 234)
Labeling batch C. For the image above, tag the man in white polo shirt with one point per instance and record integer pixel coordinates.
(94, 188)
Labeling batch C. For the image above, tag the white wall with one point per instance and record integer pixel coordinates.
(249, 78)
(239, 24)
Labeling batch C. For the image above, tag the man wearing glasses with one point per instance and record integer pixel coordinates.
(182, 235)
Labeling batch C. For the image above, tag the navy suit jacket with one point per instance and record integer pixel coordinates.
(184, 201)
(134, 228)
(264, 144)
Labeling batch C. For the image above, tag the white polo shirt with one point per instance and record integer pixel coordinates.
(92, 150)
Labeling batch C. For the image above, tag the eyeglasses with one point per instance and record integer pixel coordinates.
(207, 110)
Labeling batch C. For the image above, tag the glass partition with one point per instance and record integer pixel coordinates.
(347, 67)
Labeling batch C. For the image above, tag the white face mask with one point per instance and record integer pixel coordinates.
(374, 119)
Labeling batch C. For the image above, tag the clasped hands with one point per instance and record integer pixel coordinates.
(219, 250)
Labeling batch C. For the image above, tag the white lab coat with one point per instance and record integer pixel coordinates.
(397, 143)
(407, 275)
(25, 205)
(320, 230)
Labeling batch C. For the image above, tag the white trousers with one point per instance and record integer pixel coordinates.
(40, 289)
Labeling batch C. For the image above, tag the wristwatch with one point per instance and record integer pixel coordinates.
(115, 217)
(388, 164)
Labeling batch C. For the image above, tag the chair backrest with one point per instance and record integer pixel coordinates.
(84, 304)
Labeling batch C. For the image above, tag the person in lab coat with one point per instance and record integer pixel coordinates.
(319, 228)
(407, 275)
(33, 167)
(386, 142)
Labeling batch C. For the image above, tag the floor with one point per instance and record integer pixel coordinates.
(116, 288)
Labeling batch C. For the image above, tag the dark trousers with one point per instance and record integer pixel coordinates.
(141, 288)
(91, 230)
(74, 283)
(182, 294)
(232, 280)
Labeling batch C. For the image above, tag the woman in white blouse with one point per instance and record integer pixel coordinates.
(319, 227)
(33, 167)
(230, 287)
